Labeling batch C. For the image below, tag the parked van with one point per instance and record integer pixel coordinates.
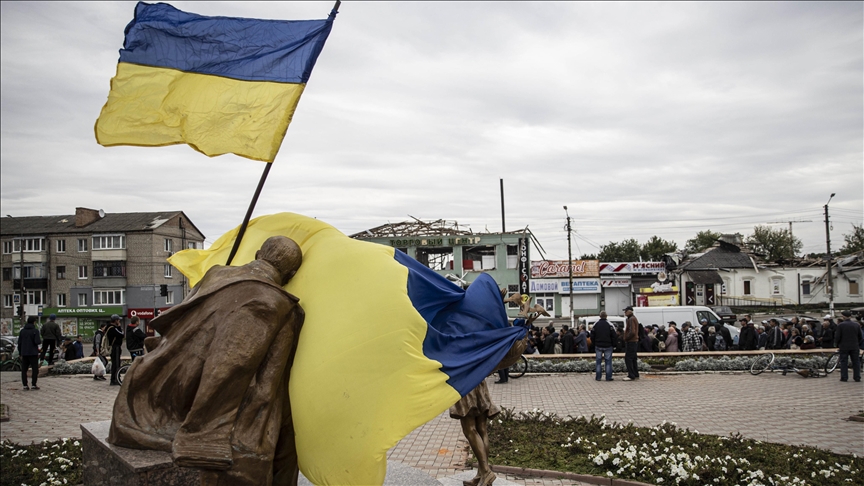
(693, 313)
(617, 321)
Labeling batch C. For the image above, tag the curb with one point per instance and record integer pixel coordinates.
(521, 471)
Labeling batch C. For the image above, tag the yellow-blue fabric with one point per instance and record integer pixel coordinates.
(360, 380)
(220, 84)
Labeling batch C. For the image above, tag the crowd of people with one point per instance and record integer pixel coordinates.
(37, 346)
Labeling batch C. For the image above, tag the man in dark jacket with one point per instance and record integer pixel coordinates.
(567, 341)
(51, 339)
(846, 339)
(747, 340)
(828, 329)
(134, 338)
(631, 344)
(603, 338)
(775, 335)
(549, 340)
(115, 339)
(28, 348)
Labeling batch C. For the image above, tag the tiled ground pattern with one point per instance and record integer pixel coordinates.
(761, 407)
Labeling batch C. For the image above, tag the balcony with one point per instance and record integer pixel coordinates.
(31, 284)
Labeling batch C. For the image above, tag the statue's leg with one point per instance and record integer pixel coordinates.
(285, 468)
(239, 345)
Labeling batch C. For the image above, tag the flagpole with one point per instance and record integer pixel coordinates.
(258, 190)
(249, 213)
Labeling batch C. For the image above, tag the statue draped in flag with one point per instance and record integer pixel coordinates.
(220, 84)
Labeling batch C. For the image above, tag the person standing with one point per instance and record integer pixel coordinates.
(51, 339)
(580, 342)
(631, 343)
(671, 341)
(79, 347)
(747, 340)
(115, 339)
(775, 335)
(691, 339)
(828, 329)
(846, 339)
(98, 337)
(134, 338)
(603, 337)
(567, 341)
(28, 347)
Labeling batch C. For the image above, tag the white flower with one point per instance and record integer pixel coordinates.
(609, 473)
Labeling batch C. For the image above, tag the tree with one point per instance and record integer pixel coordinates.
(626, 251)
(589, 256)
(702, 241)
(773, 244)
(854, 240)
(654, 249)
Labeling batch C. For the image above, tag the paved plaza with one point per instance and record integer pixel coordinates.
(769, 407)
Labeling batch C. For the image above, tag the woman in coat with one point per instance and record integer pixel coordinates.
(672, 340)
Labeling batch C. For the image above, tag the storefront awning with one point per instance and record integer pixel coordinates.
(705, 277)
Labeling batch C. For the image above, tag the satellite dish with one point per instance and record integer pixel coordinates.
(661, 276)
(101, 213)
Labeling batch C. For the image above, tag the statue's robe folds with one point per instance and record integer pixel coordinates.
(214, 391)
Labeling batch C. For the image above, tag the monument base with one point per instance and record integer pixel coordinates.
(108, 464)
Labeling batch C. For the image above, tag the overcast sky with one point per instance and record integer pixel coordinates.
(642, 118)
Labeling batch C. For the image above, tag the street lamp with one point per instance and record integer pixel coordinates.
(828, 245)
(569, 266)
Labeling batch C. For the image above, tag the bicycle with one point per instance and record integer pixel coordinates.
(13, 364)
(121, 371)
(833, 360)
(765, 362)
(518, 369)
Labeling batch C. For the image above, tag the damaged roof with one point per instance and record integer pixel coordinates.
(724, 255)
(110, 223)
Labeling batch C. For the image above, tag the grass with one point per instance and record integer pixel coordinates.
(660, 455)
(46, 463)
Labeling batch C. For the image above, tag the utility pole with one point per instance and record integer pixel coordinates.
(570, 266)
(21, 288)
(828, 245)
(790, 223)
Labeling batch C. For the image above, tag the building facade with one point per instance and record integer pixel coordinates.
(87, 266)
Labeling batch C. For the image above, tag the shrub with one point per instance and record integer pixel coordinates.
(49, 463)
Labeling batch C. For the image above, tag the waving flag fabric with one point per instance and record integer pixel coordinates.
(387, 344)
(220, 84)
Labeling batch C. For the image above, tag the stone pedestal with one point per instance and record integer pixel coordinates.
(111, 465)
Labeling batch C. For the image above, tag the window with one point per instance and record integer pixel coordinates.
(512, 289)
(192, 245)
(7, 274)
(776, 286)
(61, 300)
(478, 258)
(853, 287)
(61, 246)
(748, 287)
(805, 287)
(82, 300)
(547, 301)
(169, 245)
(109, 242)
(512, 256)
(82, 244)
(33, 297)
(7, 300)
(7, 247)
(712, 319)
(167, 270)
(170, 298)
(109, 269)
(61, 272)
(30, 271)
(82, 272)
(436, 258)
(29, 244)
(103, 297)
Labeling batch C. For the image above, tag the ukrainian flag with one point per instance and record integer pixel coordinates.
(387, 345)
(220, 84)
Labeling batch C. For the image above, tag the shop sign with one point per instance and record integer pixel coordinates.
(662, 300)
(146, 313)
(617, 282)
(633, 267)
(581, 286)
(87, 327)
(544, 286)
(462, 240)
(104, 311)
(560, 268)
(522, 267)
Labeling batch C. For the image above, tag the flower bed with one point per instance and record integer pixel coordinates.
(710, 363)
(662, 455)
(47, 463)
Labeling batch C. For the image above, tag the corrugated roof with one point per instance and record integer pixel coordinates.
(111, 223)
(719, 257)
(705, 277)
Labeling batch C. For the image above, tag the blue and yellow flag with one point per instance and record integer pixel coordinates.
(220, 84)
(387, 344)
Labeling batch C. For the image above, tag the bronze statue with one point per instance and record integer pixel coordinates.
(476, 408)
(213, 389)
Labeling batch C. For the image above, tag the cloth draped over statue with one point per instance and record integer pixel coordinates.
(387, 344)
